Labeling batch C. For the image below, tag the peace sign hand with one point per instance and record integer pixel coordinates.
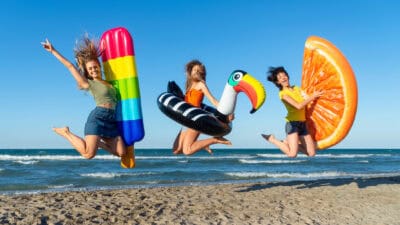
(47, 45)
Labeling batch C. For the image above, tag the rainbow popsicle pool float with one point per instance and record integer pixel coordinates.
(119, 65)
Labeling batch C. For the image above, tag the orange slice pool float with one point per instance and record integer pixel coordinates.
(329, 117)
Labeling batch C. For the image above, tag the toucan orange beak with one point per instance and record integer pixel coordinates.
(253, 89)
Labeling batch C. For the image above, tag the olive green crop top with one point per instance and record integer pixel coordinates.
(102, 93)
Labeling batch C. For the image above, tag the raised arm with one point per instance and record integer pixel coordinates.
(82, 81)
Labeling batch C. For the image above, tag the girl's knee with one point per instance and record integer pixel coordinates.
(312, 154)
(89, 155)
(121, 152)
(90, 152)
(187, 151)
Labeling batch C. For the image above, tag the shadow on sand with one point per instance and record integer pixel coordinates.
(361, 183)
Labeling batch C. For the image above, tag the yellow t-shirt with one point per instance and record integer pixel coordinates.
(293, 113)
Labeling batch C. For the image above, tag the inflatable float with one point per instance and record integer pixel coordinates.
(331, 116)
(119, 65)
(206, 119)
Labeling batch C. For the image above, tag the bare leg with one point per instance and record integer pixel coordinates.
(303, 149)
(191, 146)
(86, 147)
(209, 150)
(177, 147)
(105, 146)
(290, 146)
(308, 145)
(282, 145)
(115, 146)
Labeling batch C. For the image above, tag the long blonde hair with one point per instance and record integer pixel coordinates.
(188, 68)
(86, 50)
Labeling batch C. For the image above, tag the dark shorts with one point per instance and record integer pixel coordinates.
(102, 122)
(296, 126)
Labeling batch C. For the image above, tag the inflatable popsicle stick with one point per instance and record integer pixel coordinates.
(119, 65)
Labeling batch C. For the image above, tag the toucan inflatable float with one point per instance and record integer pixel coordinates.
(206, 119)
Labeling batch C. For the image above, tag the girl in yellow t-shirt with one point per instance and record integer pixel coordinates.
(295, 101)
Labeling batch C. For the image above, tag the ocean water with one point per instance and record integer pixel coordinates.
(54, 170)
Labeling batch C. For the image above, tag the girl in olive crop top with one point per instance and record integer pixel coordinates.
(196, 88)
(298, 138)
(103, 93)
(101, 130)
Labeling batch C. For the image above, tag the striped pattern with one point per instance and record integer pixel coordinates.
(179, 106)
(119, 65)
(206, 120)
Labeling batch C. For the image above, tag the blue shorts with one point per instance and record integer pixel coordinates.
(296, 126)
(102, 122)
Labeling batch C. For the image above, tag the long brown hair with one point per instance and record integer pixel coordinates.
(188, 68)
(86, 50)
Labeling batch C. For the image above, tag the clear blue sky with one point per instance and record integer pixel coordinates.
(39, 93)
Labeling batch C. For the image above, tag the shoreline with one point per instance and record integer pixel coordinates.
(327, 201)
(394, 176)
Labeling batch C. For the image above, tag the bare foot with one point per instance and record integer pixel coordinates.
(221, 140)
(62, 131)
(208, 149)
(268, 137)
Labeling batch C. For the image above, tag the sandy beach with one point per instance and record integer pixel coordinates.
(339, 201)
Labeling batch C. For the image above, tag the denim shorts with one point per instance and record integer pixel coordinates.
(102, 122)
(296, 126)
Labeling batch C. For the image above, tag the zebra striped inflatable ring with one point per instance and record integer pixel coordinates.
(206, 119)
